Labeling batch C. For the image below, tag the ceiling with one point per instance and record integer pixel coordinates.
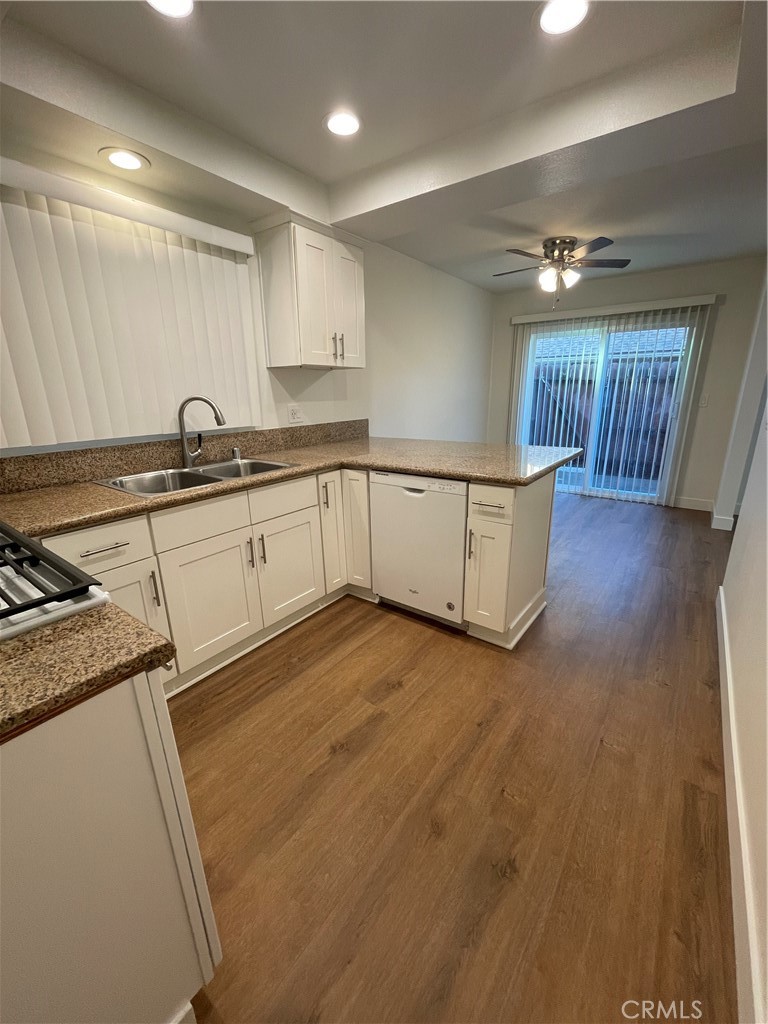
(415, 72)
(665, 216)
(646, 124)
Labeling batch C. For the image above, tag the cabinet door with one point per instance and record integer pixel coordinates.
(213, 595)
(137, 589)
(357, 527)
(349, 304)
(332, 529)
(314, 286)
(487, 575)
(290, 561)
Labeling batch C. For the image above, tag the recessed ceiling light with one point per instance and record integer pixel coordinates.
(560, 16)
(342, 122)
(125, 159)
(172, 8)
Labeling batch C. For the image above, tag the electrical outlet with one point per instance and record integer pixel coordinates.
(704, 400)
(295, 414)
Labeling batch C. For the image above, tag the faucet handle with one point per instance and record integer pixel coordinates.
(236, 453)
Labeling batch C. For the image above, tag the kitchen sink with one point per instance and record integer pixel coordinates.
(240, 467)
(162, 481)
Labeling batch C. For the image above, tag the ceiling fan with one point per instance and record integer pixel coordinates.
(559, 261)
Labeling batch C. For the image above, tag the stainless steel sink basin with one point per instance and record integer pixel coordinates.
(239, 467)
(163, 481)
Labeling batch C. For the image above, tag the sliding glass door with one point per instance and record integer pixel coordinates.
(613, 386)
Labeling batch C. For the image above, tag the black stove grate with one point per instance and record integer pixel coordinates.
(52, 577)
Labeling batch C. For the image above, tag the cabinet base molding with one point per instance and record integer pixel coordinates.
(200, 672)
(514, 632)
(362, 592)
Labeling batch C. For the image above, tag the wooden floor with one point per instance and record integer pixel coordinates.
(400, 823)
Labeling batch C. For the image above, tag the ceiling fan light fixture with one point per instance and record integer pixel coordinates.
(559, 16)
(548, 279)
(570, 277)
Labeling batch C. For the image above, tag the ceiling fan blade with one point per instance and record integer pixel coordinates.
(522, 252)
(505, 272)
(588, 247)
(601, 263)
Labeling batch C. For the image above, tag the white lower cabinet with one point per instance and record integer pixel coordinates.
(290, 563)
(213, 595)
(136, 588)
(486, 582)
(357, 526)
(332, 529)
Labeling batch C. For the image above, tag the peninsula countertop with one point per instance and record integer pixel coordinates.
(49, 510)
(48, 670)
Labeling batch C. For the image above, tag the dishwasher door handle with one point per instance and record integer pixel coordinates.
(415, 490)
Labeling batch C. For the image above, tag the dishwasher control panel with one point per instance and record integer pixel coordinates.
(411, 482)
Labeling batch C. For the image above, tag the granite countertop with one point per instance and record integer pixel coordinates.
(50, 510)
(46, 670)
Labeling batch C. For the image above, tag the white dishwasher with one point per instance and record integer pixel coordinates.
(418, 525)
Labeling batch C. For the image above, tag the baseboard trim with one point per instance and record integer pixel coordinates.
(697, 504)
(752, 1008)
(514, 632)
(184, 1015)
(722, 522)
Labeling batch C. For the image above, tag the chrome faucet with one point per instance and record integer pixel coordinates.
(190, 458)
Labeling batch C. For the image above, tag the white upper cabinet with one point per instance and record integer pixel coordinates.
(349, 304)
(312, 292)
(314, 295)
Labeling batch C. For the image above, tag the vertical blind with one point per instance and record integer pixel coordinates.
(107, 324)
(613, 386)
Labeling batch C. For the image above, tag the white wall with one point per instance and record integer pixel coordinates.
(744, 656)
(738, 283)
(748, 411)
(428, 340)
(429, 349)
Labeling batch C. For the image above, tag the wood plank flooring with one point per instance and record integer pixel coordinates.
(402, 824)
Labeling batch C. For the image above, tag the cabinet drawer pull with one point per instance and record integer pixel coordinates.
(469, 544)
(168, 667)
(326, 502)
(251, 553)
(488, 504)
(109, 547)
(263, 549)
(341, 342)
(335, 340)
(155, 588)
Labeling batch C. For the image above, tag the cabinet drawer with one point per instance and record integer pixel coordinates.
(280, 499)
(104, 547)
(175, 527)
(490, 502)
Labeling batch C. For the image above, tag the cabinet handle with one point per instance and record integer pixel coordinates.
(168, 667)
(326, 502)
(251, 553)
(469, 545)
(488, 504)
(341, 342)
(263, 549)
(155, 588)
(109, 547)
(335, 339)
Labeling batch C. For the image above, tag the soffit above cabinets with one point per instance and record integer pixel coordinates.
(416, 72)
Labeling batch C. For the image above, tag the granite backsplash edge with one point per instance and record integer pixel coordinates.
(50, 469)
